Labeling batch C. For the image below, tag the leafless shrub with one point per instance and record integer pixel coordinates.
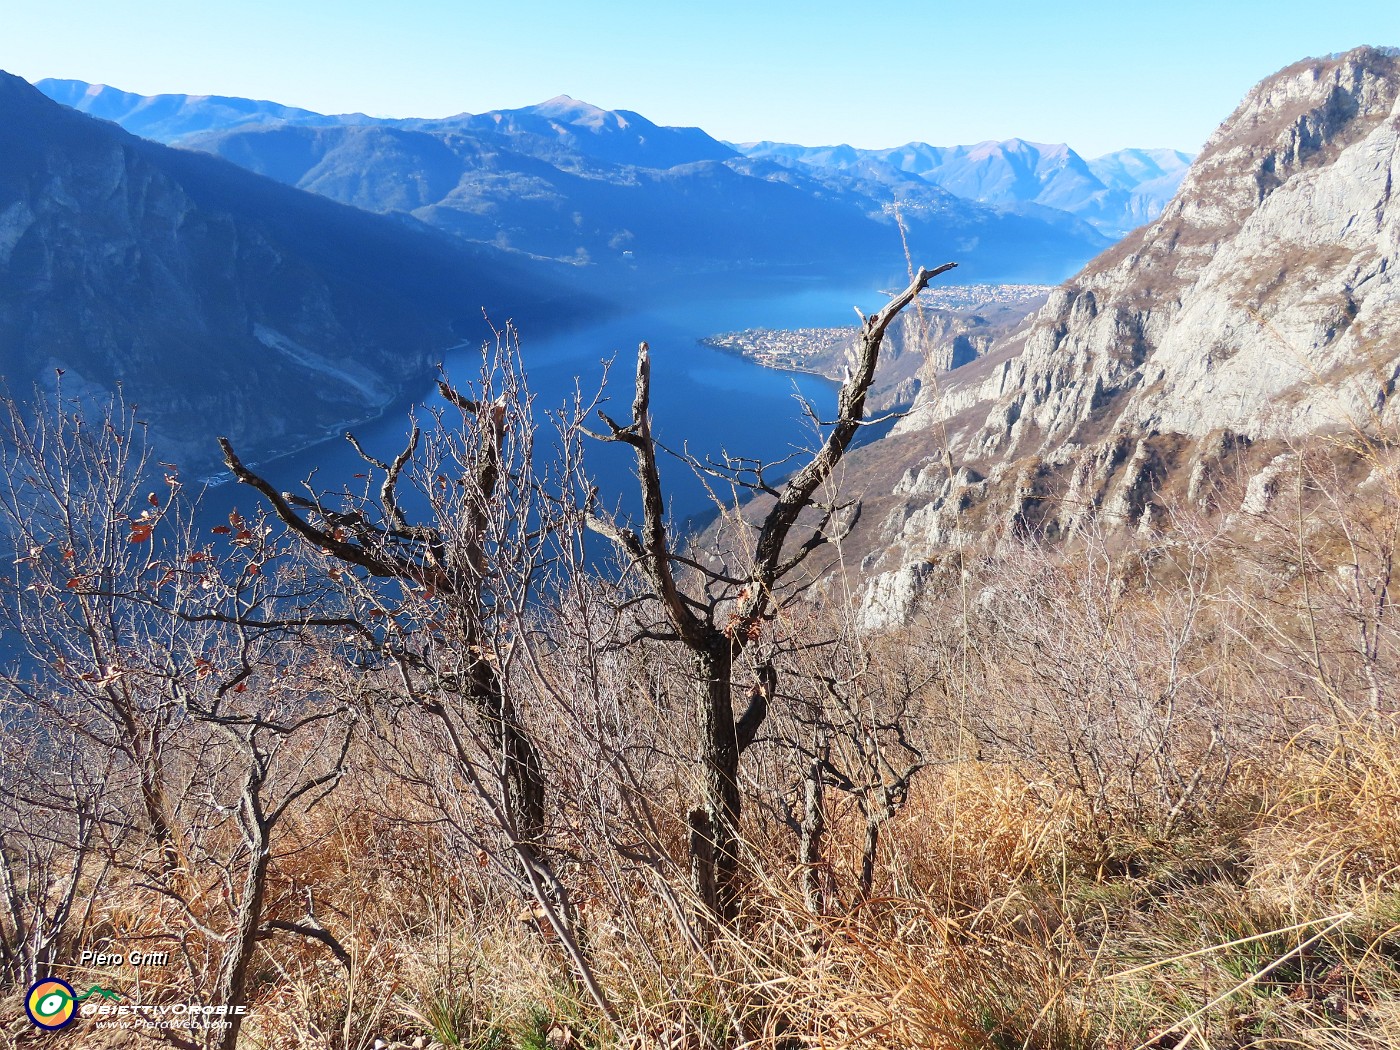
(187, 699)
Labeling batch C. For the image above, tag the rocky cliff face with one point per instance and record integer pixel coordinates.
(220, 301)
(1261, 309)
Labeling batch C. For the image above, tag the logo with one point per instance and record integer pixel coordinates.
(51, 1003)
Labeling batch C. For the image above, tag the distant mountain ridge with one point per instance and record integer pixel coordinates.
(223, 302)
(617, 136)
(1115, 193)
(169, 118)
(620, 197)
(568, 125)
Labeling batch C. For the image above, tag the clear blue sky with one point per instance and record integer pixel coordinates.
(1098, 75)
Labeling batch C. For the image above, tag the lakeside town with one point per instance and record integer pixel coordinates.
(822, 351)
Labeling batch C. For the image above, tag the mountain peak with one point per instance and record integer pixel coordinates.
(566, 104)
(575, 111)
(615, 136)
(1325, 94)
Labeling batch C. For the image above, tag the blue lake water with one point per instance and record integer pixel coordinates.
(702, 399)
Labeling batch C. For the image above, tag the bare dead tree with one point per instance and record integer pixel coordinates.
(443, 603)
(716, 614)
(87, 742)
(72, 501)
(864, 749)
(853, 724)
(284, 740)
(55, 810)
(167, 694)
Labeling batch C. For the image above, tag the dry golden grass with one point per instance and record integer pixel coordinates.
(996, 925)
(1162, 810)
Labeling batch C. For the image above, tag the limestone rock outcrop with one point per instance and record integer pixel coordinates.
(1259, 311)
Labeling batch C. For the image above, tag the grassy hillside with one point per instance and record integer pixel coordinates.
(1120, 793)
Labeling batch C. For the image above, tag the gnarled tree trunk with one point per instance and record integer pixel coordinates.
(691, 619)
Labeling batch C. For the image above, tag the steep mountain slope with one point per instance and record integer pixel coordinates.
(1114, 193)
(627, 201)
(220, 301)
(1259, 311)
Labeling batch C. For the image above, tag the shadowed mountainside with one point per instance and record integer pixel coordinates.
(220, 301)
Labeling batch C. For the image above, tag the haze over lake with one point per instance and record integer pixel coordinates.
(703, 399)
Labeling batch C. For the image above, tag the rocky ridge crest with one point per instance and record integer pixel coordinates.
(1258, 311)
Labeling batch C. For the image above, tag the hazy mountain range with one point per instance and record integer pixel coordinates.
(628, 200)
(1114, 193)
